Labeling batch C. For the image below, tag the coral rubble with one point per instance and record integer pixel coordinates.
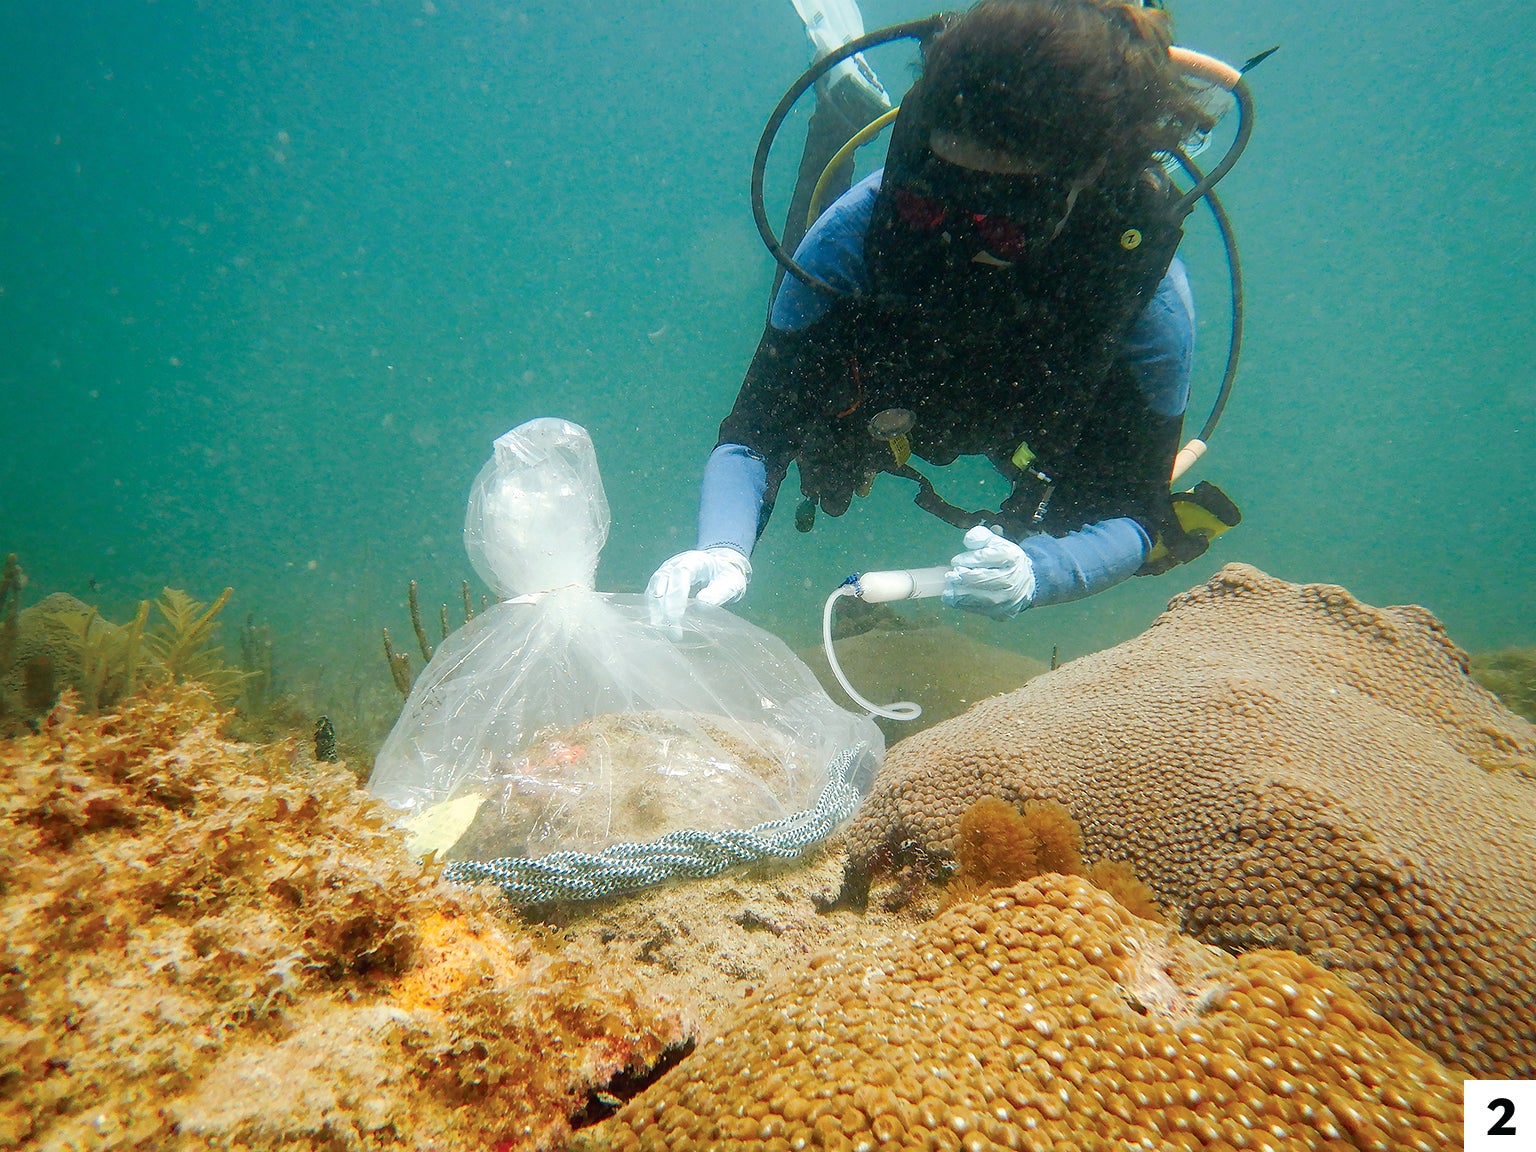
(630, 776)
(1047, 1017)
(205, 945)
(1286, 767)
(711, 943)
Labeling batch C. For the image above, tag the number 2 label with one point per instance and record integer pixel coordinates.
(1500, 1115)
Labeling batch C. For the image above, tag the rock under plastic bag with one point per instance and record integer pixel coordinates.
(562, 719)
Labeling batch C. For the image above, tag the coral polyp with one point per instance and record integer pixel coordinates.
(1286, 767)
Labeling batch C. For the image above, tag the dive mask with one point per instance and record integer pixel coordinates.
(1004, 215)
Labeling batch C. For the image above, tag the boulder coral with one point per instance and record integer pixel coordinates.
(1047, 1017)
(204, 944)
(1286, 767)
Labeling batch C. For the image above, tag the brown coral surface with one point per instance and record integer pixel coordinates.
(203, 945)
(1285, 767)
(1047, 1017)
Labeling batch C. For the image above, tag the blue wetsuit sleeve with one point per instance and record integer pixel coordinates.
(1087, 561)
(1159, 349)
(832, 251)
(731, 498)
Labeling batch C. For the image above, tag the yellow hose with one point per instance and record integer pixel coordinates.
(860, 138)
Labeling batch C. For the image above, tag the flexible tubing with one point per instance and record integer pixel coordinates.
(913, 29)
(1206, 67)
(860, 138)
(1235, 339)
(1244, 100)
(901, 710)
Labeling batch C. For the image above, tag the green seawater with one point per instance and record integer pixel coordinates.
(273, 275)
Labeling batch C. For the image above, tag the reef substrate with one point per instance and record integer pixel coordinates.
(1046, 1017)
(210, 944)
(207, 944)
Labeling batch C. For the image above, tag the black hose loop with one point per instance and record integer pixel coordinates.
(1235, 273)
(1244, 98)
(911, 30)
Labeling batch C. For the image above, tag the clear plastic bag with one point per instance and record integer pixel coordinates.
(563, 720)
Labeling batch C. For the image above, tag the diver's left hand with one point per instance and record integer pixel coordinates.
(994, 576)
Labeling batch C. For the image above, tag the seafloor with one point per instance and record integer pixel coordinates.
(1259, 878)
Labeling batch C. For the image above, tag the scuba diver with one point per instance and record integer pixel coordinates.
(1005, 286)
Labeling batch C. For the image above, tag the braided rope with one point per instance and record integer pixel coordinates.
(686, 854)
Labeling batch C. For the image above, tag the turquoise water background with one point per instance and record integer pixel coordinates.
(274, 275)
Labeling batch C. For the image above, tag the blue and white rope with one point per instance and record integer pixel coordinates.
(686, 854)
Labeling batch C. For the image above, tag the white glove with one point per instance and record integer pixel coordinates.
(722, 572)
(995, 577)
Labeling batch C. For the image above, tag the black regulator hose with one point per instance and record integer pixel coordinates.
(1235, 279)
(1204, 188)
(911, 30)
(1203, 183)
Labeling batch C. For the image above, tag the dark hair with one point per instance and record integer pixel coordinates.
(1062, 81)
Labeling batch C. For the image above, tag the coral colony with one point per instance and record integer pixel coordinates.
(1224, 886)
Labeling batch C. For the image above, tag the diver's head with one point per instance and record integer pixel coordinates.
(1054, 86)
(1023, 105)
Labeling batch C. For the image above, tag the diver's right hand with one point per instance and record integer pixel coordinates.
(721, 575)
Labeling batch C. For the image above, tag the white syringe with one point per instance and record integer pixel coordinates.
(897, 584)
(881, 588)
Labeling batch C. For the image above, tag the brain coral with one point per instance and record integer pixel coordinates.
(1048, 1018)
(1286, 767)
(205, 946)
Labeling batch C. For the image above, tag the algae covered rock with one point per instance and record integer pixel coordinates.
(64, 643)
(1510, 674)
(44, 657)
(203, 945)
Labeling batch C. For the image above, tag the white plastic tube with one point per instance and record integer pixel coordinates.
(1187, 458)
(881, 588)
(1207, 68)
(899, 584)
